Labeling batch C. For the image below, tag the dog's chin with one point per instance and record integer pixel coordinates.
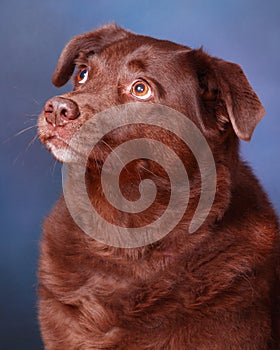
(62, 154)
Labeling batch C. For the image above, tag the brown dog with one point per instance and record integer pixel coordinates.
(217, 288)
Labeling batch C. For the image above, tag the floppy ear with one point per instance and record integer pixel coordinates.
(89, 42)
(226, 83)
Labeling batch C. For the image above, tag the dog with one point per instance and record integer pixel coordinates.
(216, 288)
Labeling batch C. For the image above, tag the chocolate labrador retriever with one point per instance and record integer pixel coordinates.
(216, 288)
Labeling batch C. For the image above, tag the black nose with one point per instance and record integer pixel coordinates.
(59, 110)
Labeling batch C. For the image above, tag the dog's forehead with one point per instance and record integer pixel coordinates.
(144, 48)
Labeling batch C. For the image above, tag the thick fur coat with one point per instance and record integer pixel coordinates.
(215, 289)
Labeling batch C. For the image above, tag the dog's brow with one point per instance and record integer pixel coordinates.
(81, 61)
(84, 58)
(137, 65)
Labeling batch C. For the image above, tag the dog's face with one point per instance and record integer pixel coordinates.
(115, 67)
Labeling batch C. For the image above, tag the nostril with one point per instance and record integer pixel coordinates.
(69, 110)
(49, 112)
(64, 113)
(48, 107)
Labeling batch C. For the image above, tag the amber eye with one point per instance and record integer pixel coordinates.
(141, 90)
(82, 75)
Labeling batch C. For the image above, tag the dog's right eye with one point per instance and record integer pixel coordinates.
(141, 89)
(82, 76)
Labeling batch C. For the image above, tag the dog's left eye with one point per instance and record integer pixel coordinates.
(82, 76)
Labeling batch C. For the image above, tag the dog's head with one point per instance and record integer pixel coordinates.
(114, 66)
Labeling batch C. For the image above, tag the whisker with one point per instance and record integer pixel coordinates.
(27, 121)
(97, 166)
(31, 142)
(31, 116)
(16, 158)
(34, 100)
(24, 130)
(21, 153)
(149, 171)
(24, 94)
(53, 167)
(19, 133)
(106, 144)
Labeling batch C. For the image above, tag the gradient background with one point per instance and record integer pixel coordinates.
(32, 34)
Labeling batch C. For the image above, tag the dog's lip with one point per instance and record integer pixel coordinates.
(57, 140)
(49, 134)
(53, 140)
(58, 143)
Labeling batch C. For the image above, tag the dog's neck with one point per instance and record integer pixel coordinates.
(129, 187)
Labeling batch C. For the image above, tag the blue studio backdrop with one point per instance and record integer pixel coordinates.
(32, 35)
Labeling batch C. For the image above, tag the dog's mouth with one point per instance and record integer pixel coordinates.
(57, 141)
(64, 152)
(60, 142)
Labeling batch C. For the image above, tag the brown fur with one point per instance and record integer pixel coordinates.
(215, 289)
